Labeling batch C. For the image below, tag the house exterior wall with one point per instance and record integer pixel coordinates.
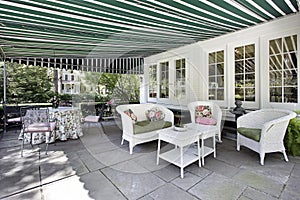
(69, 82)
(196, 56)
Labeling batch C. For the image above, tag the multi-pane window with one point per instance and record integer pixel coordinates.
(283, 70)
(216, 75)
(153, 81)
(164, 80)
(244, 65)
(180, 90)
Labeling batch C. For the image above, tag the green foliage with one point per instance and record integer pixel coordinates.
(109, 80)
(121, 87)
(292, 137)
(30, 84)
(65, 97)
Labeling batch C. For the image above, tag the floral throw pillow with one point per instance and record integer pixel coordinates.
(203, 115)
(202, 111)
(130, 113)
(155, 114)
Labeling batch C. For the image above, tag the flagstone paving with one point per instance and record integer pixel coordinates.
(97, 166)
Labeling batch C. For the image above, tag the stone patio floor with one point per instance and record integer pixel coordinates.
(97, 167)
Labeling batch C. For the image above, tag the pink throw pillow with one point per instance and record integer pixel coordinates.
(206, 121)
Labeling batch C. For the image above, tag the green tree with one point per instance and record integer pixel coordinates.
(27, 84)
(121, 87)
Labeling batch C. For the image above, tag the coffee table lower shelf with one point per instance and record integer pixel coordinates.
(189, 156)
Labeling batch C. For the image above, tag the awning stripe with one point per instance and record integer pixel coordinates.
(124, 27)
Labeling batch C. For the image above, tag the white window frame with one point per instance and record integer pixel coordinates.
(221, 102)
(184, 80)
(265, 90)
(282, 70)
(231, 73)
(160, 80)
(152, 65)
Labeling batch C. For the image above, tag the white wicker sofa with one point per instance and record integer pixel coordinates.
(144, 129)
(263, 131)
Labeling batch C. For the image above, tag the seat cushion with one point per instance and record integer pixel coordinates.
(41, 127)
(14, 120)
(252, 133)
(91, 118)
(147, 126)
(206, 121)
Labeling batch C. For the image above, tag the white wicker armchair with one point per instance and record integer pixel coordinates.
(269, 127)
(216, 113)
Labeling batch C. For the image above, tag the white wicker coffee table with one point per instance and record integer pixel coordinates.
(185, 152)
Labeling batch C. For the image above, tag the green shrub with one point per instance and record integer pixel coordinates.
(292, 137)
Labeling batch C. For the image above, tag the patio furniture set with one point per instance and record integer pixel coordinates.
(48, 124)
(262, 131)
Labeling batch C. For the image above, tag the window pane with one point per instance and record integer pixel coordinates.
(212, 79)
(290, 61)
(250, 65)
(239, 67)
(276, 94)
(250, 51)
(275, 62)
(220, 81)
(220, 69)
(212, 57)
(275, 46)
(239, 81)
(178, 64)
(250, 80)
(290, 77)
(275, 78)
(239, 53)
(290, 43)
(250, 94)
(220, 56)
(220, 94)
(239, 94)
(212, 70)
(178, 74)
(212, 94)
(290, 94)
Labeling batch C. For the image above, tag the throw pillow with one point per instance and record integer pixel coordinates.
(202, 111)
(155, 114)
(203, 115)
(130, 113)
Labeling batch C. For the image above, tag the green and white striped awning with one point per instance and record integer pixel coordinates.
(124, 28)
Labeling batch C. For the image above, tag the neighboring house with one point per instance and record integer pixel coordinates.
(74, 82)
(69, 82)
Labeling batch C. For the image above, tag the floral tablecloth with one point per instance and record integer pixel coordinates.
(68, 125)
